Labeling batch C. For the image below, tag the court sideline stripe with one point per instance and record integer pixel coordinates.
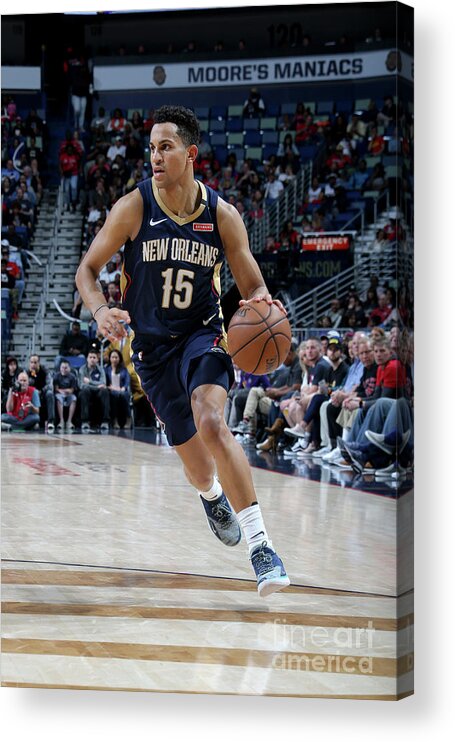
(227, 657)
(332, 590)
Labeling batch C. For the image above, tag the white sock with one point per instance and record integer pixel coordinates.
(214, 492)
(253, 527)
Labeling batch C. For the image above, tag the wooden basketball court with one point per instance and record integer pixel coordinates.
(113, 581)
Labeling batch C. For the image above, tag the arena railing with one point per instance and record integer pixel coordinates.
(37, 339)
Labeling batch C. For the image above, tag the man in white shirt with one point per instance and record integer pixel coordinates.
(273, 188)
(116, 148)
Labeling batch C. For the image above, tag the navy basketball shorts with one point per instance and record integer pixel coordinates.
(169, 384)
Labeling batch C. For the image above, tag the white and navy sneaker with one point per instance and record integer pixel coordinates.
(222, 520)
(270, 572)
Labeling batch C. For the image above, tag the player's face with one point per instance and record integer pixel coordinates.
(169, 156)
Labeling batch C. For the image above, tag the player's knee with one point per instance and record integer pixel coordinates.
(211, 426)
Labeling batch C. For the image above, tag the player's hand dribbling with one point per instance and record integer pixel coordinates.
(263, 297)
(111, 322)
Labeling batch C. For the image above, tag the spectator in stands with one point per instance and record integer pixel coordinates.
(22, 405)
(254, 106)
(388, 113)
(377, 180)
(41, 379)
(371, 301)
(382, 311)
(285, 380)
(272, 189)
(117, 148)
(65, 389)
(14, 267)
(351, 404)
(359, 176)
(10, 374)
(149, 122)
(99, 123)
(137, 124)
(117, 123)
(380, 242)
(93, 388)
(80, 81)
(134, 151)
(335, 314)
(256, 207)
(331, 409)
(9, 171)
(376, 144)
(74, 347)
(9, 283)
(112, 270)
(118, 384)
(315, 192)
(287, 152)
(70, 167)
(357, 128)
(112, 294)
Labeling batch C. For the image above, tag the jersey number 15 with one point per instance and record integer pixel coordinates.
(181, 293)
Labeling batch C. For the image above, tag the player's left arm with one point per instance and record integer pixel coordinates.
(244, 267)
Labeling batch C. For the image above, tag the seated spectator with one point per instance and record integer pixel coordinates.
(356, 127)
(239, 394)
(288, 148)
(286, 175)
(377, 180)
(9, 171)
(65, 390)
(137, 123)
(111, 271)
(380, 242)
(22, 405)
(118, 384)
(149, 122)
(99, 123)
(134, 151)
(388, 113)
(256, 207)
(93, 389)
(254, 106)
(117, 148)
(10, 374)
(335, 314)
(359, 176)
(273, 188)
(376, 144)
(41, 379)
(394, 230)
(73, 348)
(112, 294)
(117, 123)
(284, 381)
(317, 371)
(382, 311)
(315, 192)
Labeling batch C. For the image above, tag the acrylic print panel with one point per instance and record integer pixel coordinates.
(111, 577)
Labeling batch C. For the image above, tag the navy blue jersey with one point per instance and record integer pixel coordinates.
(171, 273)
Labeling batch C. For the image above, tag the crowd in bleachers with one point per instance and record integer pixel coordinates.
(23, 142)
(340, 401)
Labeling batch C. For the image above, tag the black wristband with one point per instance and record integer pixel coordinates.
(100, 307)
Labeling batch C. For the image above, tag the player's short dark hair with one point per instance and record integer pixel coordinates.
(184, 118)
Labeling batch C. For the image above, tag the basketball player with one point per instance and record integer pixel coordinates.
(176, 234)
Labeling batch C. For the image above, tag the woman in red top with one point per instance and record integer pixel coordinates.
(69, 162)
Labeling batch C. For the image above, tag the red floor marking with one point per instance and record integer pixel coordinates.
(44, 467)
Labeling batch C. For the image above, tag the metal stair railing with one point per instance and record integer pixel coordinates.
(285, 207)
(37, 338)
(390, 266)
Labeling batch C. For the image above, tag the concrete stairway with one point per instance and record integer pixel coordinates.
(60, 283)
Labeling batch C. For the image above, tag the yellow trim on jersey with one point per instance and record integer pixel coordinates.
(179, 219)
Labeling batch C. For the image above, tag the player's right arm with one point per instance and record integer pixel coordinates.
(122, 223)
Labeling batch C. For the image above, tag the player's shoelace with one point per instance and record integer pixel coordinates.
(222, 514)
(262, 560)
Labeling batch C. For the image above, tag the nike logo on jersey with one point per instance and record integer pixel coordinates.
(153, 224)
(206, 321)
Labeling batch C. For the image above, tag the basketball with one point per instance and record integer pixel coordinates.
(259, 337)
